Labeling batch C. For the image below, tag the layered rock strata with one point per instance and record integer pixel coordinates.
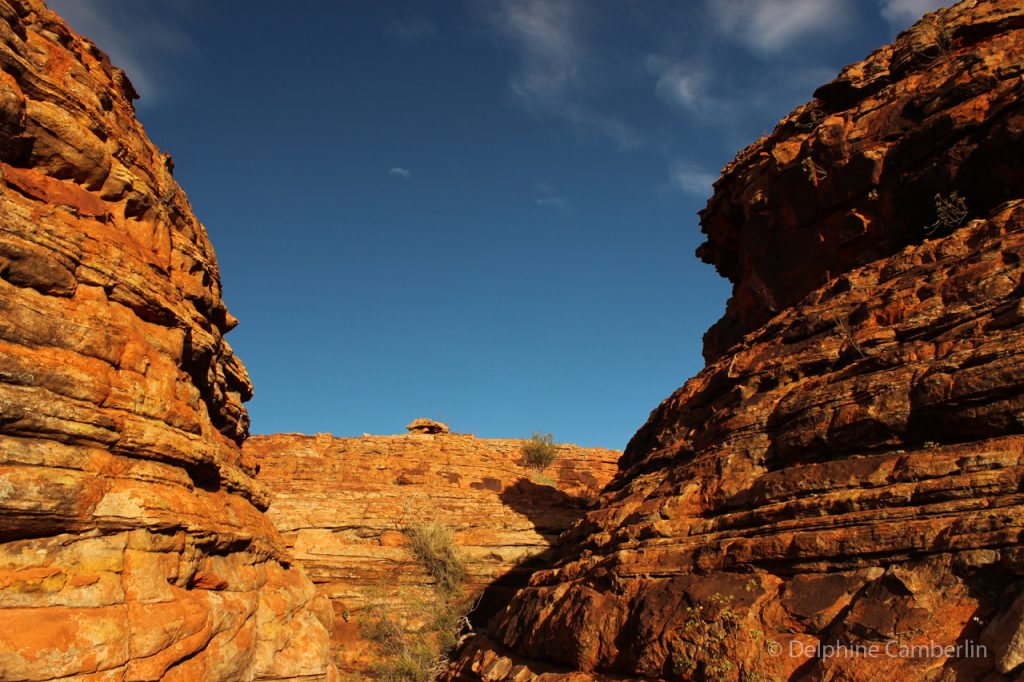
(133, 544)
(846, 471)
(342, 505)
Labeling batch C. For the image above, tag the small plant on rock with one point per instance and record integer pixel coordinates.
(419, 653)
(540, 451)
(714, 640)
(950, 213)
(434, 545)
(814, 172)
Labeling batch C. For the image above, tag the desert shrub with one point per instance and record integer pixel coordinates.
(419, 654)
(407, 656)
(433, 543)
(950, 213)
(540, 451)
(714, 638)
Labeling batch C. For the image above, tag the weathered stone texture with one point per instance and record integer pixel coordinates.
(848, 466)
(133, 545)
(342, 504)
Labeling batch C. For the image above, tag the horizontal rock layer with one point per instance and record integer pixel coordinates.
(848, 467)
(133, 546)
(342, 504)
(851, 176)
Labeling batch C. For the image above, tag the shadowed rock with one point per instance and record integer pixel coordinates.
(848, 466)
(342, 505)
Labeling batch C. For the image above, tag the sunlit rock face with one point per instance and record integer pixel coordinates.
(846, 471)
(342, 505)
(133, 543)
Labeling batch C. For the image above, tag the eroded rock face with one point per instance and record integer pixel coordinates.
(133, 545)
(342, 504)
(852, 176)
(847, 469)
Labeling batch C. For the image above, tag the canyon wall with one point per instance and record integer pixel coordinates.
(342, 505)
(847, 469)
(134, 544)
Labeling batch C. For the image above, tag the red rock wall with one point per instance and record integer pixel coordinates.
(341, 505)
(848, 467)
(133, 545)
(935, 112)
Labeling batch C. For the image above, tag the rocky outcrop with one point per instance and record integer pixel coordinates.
(342, 505)
(838, 494)
(423, 425)
(133, 544)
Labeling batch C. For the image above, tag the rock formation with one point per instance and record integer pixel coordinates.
(423, 425)
(342, 504)
(133, 544)
(847, 469)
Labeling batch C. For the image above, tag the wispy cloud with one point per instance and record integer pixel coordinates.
(902, 13)
(549, 75)
(774, 25)
(138, 37)
(411, 29)
(547, 196)
(690, 178)
(684, 85)
(399, 172)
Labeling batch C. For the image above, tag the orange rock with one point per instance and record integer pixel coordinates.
(847, 469)
(342, 504)
(423, 425)
(133, 545)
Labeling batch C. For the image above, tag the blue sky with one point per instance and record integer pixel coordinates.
(478, 211)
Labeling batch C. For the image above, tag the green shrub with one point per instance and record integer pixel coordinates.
(540, 451)
(434, 546)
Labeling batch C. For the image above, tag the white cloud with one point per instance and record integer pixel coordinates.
(684, 85)
(399, 172)
(774, 25)
(902, 13)
(690, 178)
(547, 196)
(142, 39)
(549, 76)
(542, 32)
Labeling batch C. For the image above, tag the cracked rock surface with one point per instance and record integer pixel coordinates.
(848, 466)
(133, 544)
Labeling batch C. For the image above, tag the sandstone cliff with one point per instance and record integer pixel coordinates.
(133, 545)
(342, 504)
(848, 466)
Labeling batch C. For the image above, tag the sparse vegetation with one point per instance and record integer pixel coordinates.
(540, 451)
(847, 334)
(433, 543)
(950, 213)
(541, 478)
(810, 118)
(420, 654)
(943, 35)
(815, 173)
(935, 40)
(405, 656)
(712, 650)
